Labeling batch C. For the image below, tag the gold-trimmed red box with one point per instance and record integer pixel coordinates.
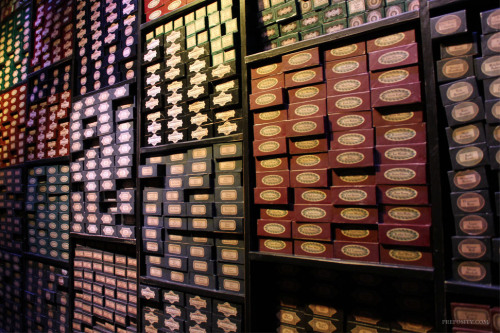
(309, 178)
(355, 215)
(312, 196)
(307, 109)
(346, 51)
(307, 93)
(304, 77)
(274, 228)
(301, 59)
(401, 154)
(269, 117)
(350, 121)
(279, 178)
(364, 195)
(363, 138)
(270, 195)
(275, 246)
(406, 214)
(350, 177)
(398, 56)
(346, 67)
(312, 213)
(313, 249)
(275, 146)
(268, 82)
(413, 195)
(305, 127)
(415, 174)
(312, 231)
(266, 70)
(273, 97)
(396, 95)
(300, 146)
(405, 256)
(357, 233)
(351, 158)
(356, 251)
(397, 116)
(349, 102)
(276, 214)
(271, 164)
(394, 77)
(348, 85)
(390, 41)
(310, 161)
(402, 234)
(269, 130)
(401, 135)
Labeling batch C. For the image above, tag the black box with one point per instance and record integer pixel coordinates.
(471, 248)
(448, 24)
(470, 202)
(459, 91)
(465, 135)
(475, 225)
(469, 156)
(467, 180)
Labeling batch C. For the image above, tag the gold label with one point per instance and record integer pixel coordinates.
(313, 247)
(308, 144)
(274, 228)
(308, 178)
(345, 67)
(471, 271)
(307, 92)
(269, 146)
(306, 110)
(350, 102)
(353, 195)
(270, 130)
(394, 76)
(265, 70)
(228, 195)
(398, 117)
(313, 213)
(494, 43)
(389, 40)
(448, 24)
(491, 66)
(226, 180)
(354, 233)
(395, 95)
(227, 254)
(355, 251)
(400, 154)
(393, 57)
(403, 234)
(351, 139)
(277, 213)
(303, 76)
(350, 121)
(455, 68)
(473, 225)
(310, 230)
(458, 50)
(470, 202)
(308, 160)
(272, 180)
(350, 157)
(267, 83)
(403, 255)
(274, 244)
(459, 91)
(401, 193)
(313, 196)
(400, 134)
(271, 115)
(400, 174)
(469, 156)
(270, 195)
(265, 99)
(344, 50)
(232, 285)
(347, 85)
(354, 214)
(300, 59)
(271, 163)
(466, 135)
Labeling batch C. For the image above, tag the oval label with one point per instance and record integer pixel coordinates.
(404, 255)
(269, 146)
(270, 195)
(271, 115)
(394, 57)
(471, 271)
(274, 228)
(272, 180)
(466, 134)
(307, 178)
(306, 110)
(448, 24)
(304, 126)
(404, 213)
(271, 163)
(395, 95)
(354, 214)
(313, 196)
(265, 99)
(311, 247)
(347, 85)
(389, 40)
(455, 68)
(401, 193)
(345, 67)
(350, 102)
(400, 174)
(469, 156)
(308, 144)
(403, 234)
(472, 248)
(465, 111)
(355, 251)
(351, 139)
(275, 245)
(307, 92)
(309, 230)
(394, 76)
(264, 70)
(267, 83)
(303, 76)
(277, 213)
(350, 158)
(473, 225)
(400, 134)
(300, 59)
(308, 160)
(270, 130)
(459, 91)
(353, 195)
(350, 121)
(313, 213)
(344, 50)
(400, 154)
(354, 233)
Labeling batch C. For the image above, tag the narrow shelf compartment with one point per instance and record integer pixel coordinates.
(191, 144)
(100, 238)
(472, 289)
(47, 260)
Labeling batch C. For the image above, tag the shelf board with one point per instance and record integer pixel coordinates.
(47, 260)
(190, 144)
(116, 85)
(47, 161)
(14, 251)
(193, 289)
(336, 36)
(55, 64)
(422, 273)
(25, 81)
(168, 17)
(100, 238)
(472, 289)
(443, 3)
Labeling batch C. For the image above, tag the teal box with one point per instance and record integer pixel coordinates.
(289, 39)
(318, 4)
(270, 32)
(311, 20)
(285, 11)
(289, 28)
(267, 17)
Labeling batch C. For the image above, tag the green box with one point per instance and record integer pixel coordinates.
(271, 45)
(311, 33)
(356, 20)
(288, 40)
(214, 19)
(335, 26)
(334, 12)
(267, 17)
(305, 6)
(216, 45)
(169, 26)
(375, 15)
(179, 23)
(289, 28)
(318, 4)
(285, 11)
(190, 42)
(200, 24)
(270, 32)
(202, 37)
(229, 55)
(217, 59)
(355, 7)
(311, 20)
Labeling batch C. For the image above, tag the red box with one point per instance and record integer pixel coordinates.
(307, 146)
(269, 117)
(356, 251)
(402, 154)
(309, 178)
(313, 249)
(268, 83)
(312, 196)
(150, 5)
(351, 158)
(157, 12)
(273, 97)
(401, 174)
(349, 103)
(400, 116)
(389, 41)
(276, 214)
(312, 231)
(306, 162)
(304, 77)
(346, 67)
(394, 77)
(357, 233)
(407, 235)
(271, 164)
(348, 85)
(347, 51)
(401, 135)
(396, 95)
(269, 131)
(305, 127)
(398, 56)
(275, 246)
(307, 109)
(406, 215)
(405, 256)
(413, 195)
(266, 70)
(312, 213)
(350, 177)
(301, 59)
(270, 147)
(271, 195)
(273, 178)
(353, 139)
(355, 215)
(354, 195)
(272, 228)
(307, 93)
(350, 121)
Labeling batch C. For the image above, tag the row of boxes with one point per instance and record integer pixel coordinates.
(11, 314)
(11, 208)
(13, 130)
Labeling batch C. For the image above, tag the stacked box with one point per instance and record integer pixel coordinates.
(47, 125)
(54, 27)
(191, 88)
(107, 36)
(7, 7)
(12, 129)
(105, 287)
(102, 133)
(177, 311)
(46, 298)
(475, 317)
(11, 286)
(469, 88)
(47, 204)
(202, 192)
(156, 8)
(286, 22)
(11, 209)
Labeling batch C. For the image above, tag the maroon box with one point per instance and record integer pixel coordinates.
(307, 146)
(351, 158)
(347, 51)
(270, 147)
(350, 121)
(406, 214)
(268, 83)
(312, 231)
(312, 196)
(394, 77)
(354, 195)
(313, 249)
(276, 214)
(269, 117)
(357, 233)
(271, 164)
(390, 41)
(307, 93)
(311, 161)
(273, 97)
(279, 178)
(304, 77)
(356, 251)
(401, 174)
(266, 70)
(413, 195)
(305, 127)
(402, 55)
(274, 228)
(350, 177)
(399, 116)
(402, 154)
(396, 95)
(348, 85)
(307, 109)
(349, 102)
(275, 246)
(363, 138)
(471, 312)
(402, 234)
(269, 130)
(401, 135)
(301, 59)
(405, 256)
(346, 67)
(355, 215)
(312, 213)
(270, 195)
(309, 178)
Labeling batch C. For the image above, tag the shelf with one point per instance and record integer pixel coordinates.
(100, 238)
(55, 64)
(167, 17)
(191, 144)
(472, 289)
(422, 273)
(47, 161)
(336, 36)
(14, 251)
(6, 90)
(47, 260)
(443, 3)
(116, 85)
(193, 289)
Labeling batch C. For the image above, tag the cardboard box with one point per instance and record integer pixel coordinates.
(346, 67)
(406, 215)
(405, 256)
(448, 24)
(470, 202)
(354, 195)
(398, 116)
(357, 233)
(390, 41)
(471, 271)
(348, 85)
(458, 91)
(401, 95)
(487, 67)
(351, 158)
(313, 249)
(407, 134)
(274, 228)
(352, 139)
(355, 215)
(407, 235)
(312, 213)
(455, 68)
(349, 103)
(469, 156)
(307, 146)
(347, 51)
(401, 174)
(403, 195)
(304, 77)
(398, 56)
(307, 93)
(266, 70)
(268, 83)
(471, 248)
(350, 121)
(275, 246)
(266, 99)
(301, 59)
(274, 195)
(277, 178)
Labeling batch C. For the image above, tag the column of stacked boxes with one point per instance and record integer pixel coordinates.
(47, 298)
(47, 204)
(469, 83)
(53, 32)
(12, 127)
(11, 209)
(11, 283)
(7, 7)
(107, 35)
(105, 286)
(47, 124)
(191, 92)
(202, 193)
(102, 145)
(184, 312)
